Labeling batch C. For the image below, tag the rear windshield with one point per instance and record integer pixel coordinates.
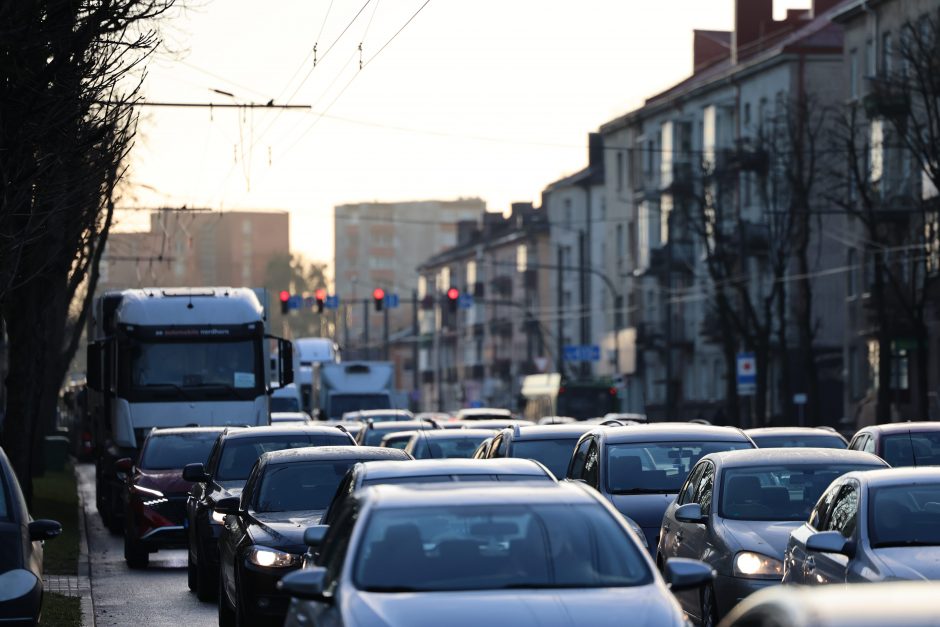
(798, 441)
(373, 437)
(555, 454)
(300, 486)
(448, 478)
(284, 404)
(240, 454)
(340, 405)
(657, 467)
(168, 452)
(912, 449)
(458, 447)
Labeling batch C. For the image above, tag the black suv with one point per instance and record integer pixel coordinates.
(229, 464)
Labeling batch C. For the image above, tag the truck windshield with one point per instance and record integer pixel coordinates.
(229, 366)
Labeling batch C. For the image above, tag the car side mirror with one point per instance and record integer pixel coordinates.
(685, 574)
(313, 536)
(125, 465)
(44, 529)
(195, 473)
(228, 505)
(690, 513)
(830, 542)
(306, 584)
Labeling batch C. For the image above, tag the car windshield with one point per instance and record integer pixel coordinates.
(373, 437)
(168, 452)
(240, 454)
(784, 492)
(798, 441)
(912, 449)
(555, 454)
(499, 547)
(284, 403)
(904, 515)
(300, 486)
(657, 467)
(458, 446)
(391, 417)
(228, 365)
(341, 404)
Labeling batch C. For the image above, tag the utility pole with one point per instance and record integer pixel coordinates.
(345, 327)
(415, 331)
(367, 351)
(385, 331)
(560, 322)
(585, 308)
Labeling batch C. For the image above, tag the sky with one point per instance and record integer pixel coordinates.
(472, 98)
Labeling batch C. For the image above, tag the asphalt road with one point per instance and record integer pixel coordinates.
(125, 597)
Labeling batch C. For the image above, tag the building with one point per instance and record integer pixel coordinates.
(474, 350)
(196, 248)
(690, 170)
(379, 245)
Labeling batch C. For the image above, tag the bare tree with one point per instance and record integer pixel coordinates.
(69, 75)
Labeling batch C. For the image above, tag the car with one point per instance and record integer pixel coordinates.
(901, 444)
(796, 437)
(497, 424)
(373, 432)
(483, 413)
(899, 604)
(446, 443)
(262, 536)
(21, 559)
(483, 450)
(426, 471)
(224, 474)
(736, 511)
(155, 491)
(501, 554)
(435, 416)
(379, 415)
(289, 417)
(551, 445)
(556, 420)
(869, 527)
(397, 439)
(640, 468)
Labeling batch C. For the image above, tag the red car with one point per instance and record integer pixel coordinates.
(155, 493)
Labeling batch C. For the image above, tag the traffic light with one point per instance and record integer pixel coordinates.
(453, 296)
(320, 295)
(378, 298)
(285, 301)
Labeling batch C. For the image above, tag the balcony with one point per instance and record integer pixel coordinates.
(886, 98)
(744, 157)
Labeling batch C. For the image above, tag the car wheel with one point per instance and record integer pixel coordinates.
(207, 585)
(135, 553)
(226, 613)
(709, 607)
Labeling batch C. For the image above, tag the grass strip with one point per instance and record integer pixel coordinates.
(55, 496)
(61, 611)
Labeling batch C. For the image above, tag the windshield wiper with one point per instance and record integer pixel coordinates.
(643, 491)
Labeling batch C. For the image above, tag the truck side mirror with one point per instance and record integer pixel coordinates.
(93, 366)
(285, 355)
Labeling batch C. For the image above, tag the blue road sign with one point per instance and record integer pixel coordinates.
(465, 301)
(331, 302)
(391, 301)
(747, 374)
(295, 302)
(588, 352)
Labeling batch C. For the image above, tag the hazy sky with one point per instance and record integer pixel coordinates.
(488, 98)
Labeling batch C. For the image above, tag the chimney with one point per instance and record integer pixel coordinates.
(710, 46)
(751, 18)
(595, 150)
(821, 6)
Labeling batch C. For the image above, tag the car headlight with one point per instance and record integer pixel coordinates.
(142, 491)
(271, 558)
(757, 566)
(218, 517)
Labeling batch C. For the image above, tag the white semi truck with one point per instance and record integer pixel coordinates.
(170, 358)
(354, 386)
(314, 352)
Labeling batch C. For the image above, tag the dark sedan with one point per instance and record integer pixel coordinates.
(901, 444)
(224, 475)
(796, 437)
(373, 432)
(551, 445)
(156, 492)
(446, 443)
(262, 537)
(640, 468)
(21, 558)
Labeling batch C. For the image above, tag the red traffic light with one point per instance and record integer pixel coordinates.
(320, 294)
(378, 294)
(453, 293)
(285, 296)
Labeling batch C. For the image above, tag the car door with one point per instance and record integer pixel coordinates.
(796, 553)
(690, 540)
(332, 558)
(825, 568)
(669, 526)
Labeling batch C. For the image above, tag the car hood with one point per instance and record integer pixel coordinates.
(911, 562)
(166, 481)
(647, 606)
(645, 509)
(767, 537)
(283, 530)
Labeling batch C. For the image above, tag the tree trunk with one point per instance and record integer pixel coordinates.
(885, 396)
(762, 359)
(923, 363)
(786, 383)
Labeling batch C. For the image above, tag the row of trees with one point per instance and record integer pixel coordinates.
(868, 168)
(70, 72)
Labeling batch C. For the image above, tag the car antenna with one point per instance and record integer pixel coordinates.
(422, 433)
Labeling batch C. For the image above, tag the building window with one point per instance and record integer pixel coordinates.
(853, 73)
(620, 246)
(568, 213)
(870, 58)
(851, 275)
(747, 114)
(887, 53)
(620, 171)
(877, 165)
(900, 365)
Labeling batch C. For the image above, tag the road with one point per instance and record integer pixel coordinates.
(122, 597)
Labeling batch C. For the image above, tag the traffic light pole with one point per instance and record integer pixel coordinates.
(385, 331)
(365, 329)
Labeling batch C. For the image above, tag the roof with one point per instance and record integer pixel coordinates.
(670, 432)
(327, 453)
(366, 413)
(463, 414)
(276, 430)
(187, 430)
(498, 423)
(551, 432)
(542, 492)
(904, 427)
(894, 476)
(794, 456)
(201, 306)
(401, 425)
(792, 432)
(452, 466)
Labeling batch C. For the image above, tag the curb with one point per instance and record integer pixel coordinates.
(84, 561)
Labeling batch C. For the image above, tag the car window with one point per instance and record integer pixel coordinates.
(576, 467)
(591, 463)
(819, 517)
(300, 486)
(799, 441)
(658, 467)
(500, 444)
(705, 487)
(456, 447)
(213, 459)
(869, 445)
(240, 454)
(856, 443)
(685, 496)
(844, 516)
(554, 454)
(4, 499)
(336, 543)
(346, 487)
(912, 449)
(904, 515)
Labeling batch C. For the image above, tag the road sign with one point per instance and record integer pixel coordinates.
(295, 302)
(747, 374)
(587, 352)
(391, 301)
(465, 301)
(331, 302)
